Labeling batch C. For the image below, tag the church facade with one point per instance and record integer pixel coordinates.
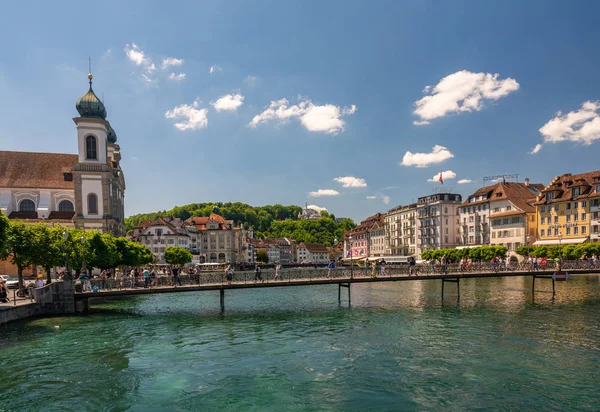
(84, 190)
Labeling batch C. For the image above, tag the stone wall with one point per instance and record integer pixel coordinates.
(56, 298)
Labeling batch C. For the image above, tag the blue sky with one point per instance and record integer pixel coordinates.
(355, 77)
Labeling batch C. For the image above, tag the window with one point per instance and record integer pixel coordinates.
(568, 231)
(584, 204)
(575, 230)
(549, 196)
(583, 216)
(556, 208)
(496, 209)
(555, 219)
(542, 232)
(583, 230)
(90, 148)
(575, 191)
(542, 220)
(543, 209)
(575, 218)
(576, 205)
(92, 204)
(66, 206)
(555, 231)
(484, 207)
(508, 208)
(568, 206)
(158, 232)
(568, 218)
(27, 205)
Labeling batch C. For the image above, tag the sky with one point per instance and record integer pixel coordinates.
(353, 106)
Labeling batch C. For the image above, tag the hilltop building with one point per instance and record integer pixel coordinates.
(309, 214)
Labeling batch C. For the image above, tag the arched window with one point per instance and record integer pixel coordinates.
(90, 148)
(66, 206)
(213, 257)
(26, 205)
(92, 204)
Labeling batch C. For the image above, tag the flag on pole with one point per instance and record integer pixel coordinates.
(441, 178)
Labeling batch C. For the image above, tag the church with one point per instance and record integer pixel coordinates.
(84, 190)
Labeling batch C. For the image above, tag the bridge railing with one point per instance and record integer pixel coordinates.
(297, 274)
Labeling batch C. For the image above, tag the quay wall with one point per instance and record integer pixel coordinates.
(56, 298)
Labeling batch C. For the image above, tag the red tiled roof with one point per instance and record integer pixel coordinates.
(504, 214)
(315, 247)
(562, 192)
(36, 170)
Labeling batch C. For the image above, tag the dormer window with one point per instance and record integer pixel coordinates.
(549, 196)
(576, 191)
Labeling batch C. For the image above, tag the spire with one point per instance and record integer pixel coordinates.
(90, 77)
(89, 105)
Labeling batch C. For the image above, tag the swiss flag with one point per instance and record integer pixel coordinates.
(441, 179)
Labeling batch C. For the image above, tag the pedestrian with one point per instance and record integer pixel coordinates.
(257, 275)
(132, 277)
(39, 283)
(119, 278)
(373, 269)
(176, 279)
(103, 279)
(228, 274)
(3, 291)
(277, 269)
(330, 267)
(382, 267)
(146, 277)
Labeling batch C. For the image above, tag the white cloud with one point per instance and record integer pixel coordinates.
(385, 200)
(171, 61)
(214, 68)
(462, 181)
(323, 192)
(147, 79)
(194, 117)
(178, 77)
(437, 155)
(139, 58)
(536, 149)
(326, 118)
(582, 125)
(317, 208)
(371, 197)
(448, 174)
(350, 181)
(463, 91)
(228, 102)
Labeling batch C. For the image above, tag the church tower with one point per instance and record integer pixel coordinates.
(98, 178)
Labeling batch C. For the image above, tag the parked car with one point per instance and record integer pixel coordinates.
(12, 282)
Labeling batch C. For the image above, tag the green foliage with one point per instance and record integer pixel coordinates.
(132, 253)
(177, 255)
(48, 244)
(568, 252)
(21, 247)
(3, 234)
(267, 221)
(481, 253)
(262, 256)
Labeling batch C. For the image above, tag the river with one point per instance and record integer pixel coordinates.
(399, 347)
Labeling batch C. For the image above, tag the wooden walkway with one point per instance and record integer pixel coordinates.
(318, 277)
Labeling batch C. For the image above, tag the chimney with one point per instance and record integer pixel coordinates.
(526, 181)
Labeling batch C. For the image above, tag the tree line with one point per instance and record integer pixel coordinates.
(566, 252)
(266, 221)
(481, 253)
(45, 246)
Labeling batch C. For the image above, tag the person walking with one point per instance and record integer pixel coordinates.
(257, 275)
(277, 270)
(330, 267)
(373, 269)
(228, 274)
(382, 267)
(176, 278)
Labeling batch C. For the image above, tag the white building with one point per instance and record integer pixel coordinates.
(161, 234)
(595, 216)
(312, 253)
(377, 239)
(86, 190)
(437, 216)
(401, 231)
(309, 214)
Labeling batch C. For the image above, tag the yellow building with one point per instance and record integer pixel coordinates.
(563, 209)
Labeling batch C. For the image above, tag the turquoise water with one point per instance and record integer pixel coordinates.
(400, 347)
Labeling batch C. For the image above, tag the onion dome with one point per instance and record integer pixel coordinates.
(111, 136)
(90, 105)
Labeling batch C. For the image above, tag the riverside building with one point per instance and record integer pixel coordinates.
(86, 190)
(400, 231)
(563, 209)
(437, 217)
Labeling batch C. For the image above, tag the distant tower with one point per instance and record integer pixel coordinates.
(98, 178)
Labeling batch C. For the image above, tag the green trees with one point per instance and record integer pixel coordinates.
(567, 252)
(21, 247)
(3, 233)
(132, 253)
(49, 251)
(262, 256)
(177, 255)
(481, 253)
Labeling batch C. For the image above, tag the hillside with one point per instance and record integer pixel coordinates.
(267, 221)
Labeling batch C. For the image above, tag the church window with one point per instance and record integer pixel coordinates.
(92, 204)
(27, 206)
(66, 206)
(90, 148)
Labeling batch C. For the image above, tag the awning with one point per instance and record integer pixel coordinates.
(560, 242)
(468, 247)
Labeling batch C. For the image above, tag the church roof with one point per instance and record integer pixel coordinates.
(89, 105)
(31, 170)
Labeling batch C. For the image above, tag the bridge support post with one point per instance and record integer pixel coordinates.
(347, 286)
(222, 296)
(533, 284)
(543, 277)
(453, 280)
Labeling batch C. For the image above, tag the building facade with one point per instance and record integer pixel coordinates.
(437, 217)
(86, 190)
(357, 241)
(401, 231)
(563, 209)
(312, 253)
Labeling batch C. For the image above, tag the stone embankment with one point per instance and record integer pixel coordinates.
(56, 298)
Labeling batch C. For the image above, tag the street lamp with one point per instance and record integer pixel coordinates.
(83, 266)
(528, 238)
(351, 262)
(559, 250)
(67, 268)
